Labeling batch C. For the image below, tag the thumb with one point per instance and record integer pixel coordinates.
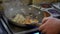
(44, 20)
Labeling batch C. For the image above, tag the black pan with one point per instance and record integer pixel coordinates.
(12, 11)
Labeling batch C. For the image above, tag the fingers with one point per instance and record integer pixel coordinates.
(46, 19)
(43, 24)
(42, 27)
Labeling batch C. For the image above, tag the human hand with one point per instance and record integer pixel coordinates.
(50, 26)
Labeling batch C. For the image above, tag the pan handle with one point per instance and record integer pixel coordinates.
(5, 26)
(6, 22)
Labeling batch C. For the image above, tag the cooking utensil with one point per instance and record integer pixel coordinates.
(12, 11)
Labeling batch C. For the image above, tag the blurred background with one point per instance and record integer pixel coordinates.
(25, 16)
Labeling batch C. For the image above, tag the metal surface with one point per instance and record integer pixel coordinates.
(28, 31)
(5, 26)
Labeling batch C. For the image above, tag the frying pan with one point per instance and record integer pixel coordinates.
(25, 10)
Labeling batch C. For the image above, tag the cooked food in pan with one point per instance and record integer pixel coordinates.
(19, 18)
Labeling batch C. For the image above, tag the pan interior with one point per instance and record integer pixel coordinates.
(11, 11)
